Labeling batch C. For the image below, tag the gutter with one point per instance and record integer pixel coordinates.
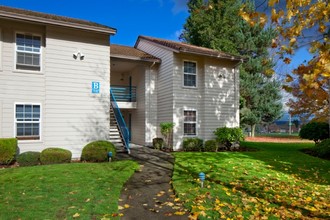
(15, 16)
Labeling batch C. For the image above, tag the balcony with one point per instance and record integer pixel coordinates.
(125, 96)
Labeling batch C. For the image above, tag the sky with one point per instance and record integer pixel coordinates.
(131, 18)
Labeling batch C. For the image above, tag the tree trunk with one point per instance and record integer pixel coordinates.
(253, 129)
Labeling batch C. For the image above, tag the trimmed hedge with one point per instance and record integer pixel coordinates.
(228, 136)
(97, 151)
(210, 146)
(316, 131)
(55, 156)
(158, 143)
(29, 158)
(8, 150)
(322, 149)
(192, 144)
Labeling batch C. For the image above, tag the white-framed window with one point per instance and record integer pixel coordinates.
(28, 52)
(28, 121)
(190, 122)
(189, 74)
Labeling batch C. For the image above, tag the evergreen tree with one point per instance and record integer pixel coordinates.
(217, 24)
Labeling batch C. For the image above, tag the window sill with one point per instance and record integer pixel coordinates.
(35, 139)
(28, 72)
(190, 87)
(190, 135)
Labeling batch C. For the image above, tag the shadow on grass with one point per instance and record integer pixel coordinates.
(288, 158)
(278, 175)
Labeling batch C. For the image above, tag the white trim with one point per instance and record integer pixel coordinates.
(41, 52)
(1, 49)
(40, 121)
(184, 73)
(196, 133)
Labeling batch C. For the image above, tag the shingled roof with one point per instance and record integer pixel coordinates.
(188, 48)
(132, 53)
(38, 17)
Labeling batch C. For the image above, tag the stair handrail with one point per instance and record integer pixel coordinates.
(120, 120)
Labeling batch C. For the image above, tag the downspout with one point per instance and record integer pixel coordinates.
(149, 99)
(237, 94)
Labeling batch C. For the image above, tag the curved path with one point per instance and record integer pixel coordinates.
(148, 193)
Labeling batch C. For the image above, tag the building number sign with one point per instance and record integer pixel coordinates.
(95, 87)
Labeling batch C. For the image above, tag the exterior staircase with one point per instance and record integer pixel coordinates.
(119, 133)
(115, 136)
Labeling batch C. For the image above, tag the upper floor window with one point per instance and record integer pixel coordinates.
(27, 121)
(190, 122)
(28, 52)
(189, 74)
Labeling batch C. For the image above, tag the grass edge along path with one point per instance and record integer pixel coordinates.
(63, 191)
(275, 182)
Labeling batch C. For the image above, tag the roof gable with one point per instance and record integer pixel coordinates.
(38, 17)
(180, 47)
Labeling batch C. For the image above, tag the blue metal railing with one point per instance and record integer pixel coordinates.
(120, 120)
(124, 93)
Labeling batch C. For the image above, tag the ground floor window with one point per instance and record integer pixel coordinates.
(190, 122)
(27, 121)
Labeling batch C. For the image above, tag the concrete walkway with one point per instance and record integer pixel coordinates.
(148, 193)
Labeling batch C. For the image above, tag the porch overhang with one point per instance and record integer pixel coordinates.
(127, 105)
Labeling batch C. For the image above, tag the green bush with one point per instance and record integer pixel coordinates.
(55, 155)
(29, 158)
(322, 149)
(227, 136)
(157, 143)
(192, 144)
(8, 150)
(316, 131)
(97, 151)
(210, 146)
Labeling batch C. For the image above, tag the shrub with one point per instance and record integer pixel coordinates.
(210, 146)
(192, 144)
(166, 129)
(227, 136)
(157, 143)
(97, 151)
(55, 155)
(8, 150)
(316, 131)
(322, 149)
(29, 158)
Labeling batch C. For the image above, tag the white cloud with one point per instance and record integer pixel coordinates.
(179, 6)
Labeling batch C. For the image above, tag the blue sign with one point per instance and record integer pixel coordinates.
(95, 87)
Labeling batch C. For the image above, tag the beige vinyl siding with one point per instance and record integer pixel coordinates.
(74, 116)
(71, 115)
(138, 114)
(151, 104)
(165, 79)
(187, 98)
(221, 97)
(18, 86)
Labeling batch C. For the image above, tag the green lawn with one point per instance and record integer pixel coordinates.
(275, 182)
(280, 135)
(64, 191)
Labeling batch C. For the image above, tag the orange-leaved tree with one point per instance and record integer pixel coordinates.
(310, 96)
(302, 23)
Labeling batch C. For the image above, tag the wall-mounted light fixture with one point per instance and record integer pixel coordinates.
(78, 54)
(222, 74)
